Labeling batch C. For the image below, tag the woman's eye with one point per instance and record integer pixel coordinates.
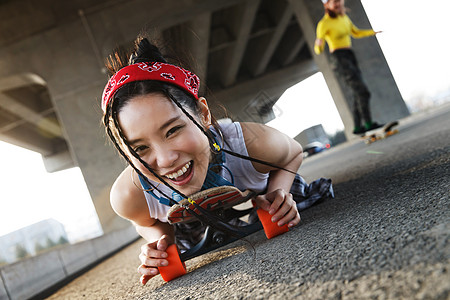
(173, 130)
(140, 149)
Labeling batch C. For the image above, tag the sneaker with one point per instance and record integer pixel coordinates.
(359, 130)
(372, 125)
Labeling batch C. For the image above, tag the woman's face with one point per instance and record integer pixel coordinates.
(335, 6)
(162, 135)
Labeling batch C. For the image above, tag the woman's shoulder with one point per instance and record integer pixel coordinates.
(125, 197)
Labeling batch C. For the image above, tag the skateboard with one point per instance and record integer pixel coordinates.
(219, 201)
(380, 133)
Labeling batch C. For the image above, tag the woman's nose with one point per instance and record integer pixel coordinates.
(166, 158)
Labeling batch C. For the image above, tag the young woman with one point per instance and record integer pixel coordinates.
(336, 29)
(175, 147)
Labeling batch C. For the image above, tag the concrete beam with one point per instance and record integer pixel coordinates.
(189, 42)
(273, 85)
(28, 139)
(267, 54)
(187, 10)
(109, 18)
(58, 162)
(293, 51)
(244, 17)
(197, 41)
(45, 124)
(20, 80)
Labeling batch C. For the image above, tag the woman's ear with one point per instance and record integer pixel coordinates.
(204, 112)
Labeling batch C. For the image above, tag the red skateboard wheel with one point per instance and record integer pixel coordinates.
(176, 267)
(271, 229)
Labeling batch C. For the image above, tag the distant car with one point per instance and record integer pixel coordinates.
(314, 148)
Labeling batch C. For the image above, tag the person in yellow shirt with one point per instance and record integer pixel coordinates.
(336, 29)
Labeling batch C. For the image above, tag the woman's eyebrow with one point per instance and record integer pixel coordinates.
(168, 122)
(133, 142)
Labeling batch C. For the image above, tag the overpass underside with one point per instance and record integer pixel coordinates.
(246, 53)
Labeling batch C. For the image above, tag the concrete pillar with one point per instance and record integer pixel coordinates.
(65, 59)
(386, 102)
(76, 98)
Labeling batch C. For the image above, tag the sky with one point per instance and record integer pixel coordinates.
(412, 41)
(29, 194)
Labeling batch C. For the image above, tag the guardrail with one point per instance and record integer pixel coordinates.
(31, 276)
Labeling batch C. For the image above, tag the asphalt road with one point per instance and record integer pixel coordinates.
(384, 236)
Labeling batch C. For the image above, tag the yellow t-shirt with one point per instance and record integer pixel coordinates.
(337, 32)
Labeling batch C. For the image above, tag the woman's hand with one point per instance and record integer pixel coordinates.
(281, 206)
(152, 256)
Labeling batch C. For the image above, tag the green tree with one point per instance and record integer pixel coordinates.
(50, 243)
(38, 247)
(62, 240)
(2, 261)
(337, 138)
(21, 252)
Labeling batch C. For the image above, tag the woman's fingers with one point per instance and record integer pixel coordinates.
(162, 243)
(154, 261)
(287, 212)
(292, 218)
(152, 257)
(147, 273)
(262, 202)
(144, 279)
(278, 199)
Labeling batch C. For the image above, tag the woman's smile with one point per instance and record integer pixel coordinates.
(183, 175)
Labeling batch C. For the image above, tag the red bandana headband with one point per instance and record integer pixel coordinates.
(158, 71)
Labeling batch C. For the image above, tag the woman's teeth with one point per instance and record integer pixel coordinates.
(180, 172)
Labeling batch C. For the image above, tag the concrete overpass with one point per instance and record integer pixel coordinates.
(247, 53)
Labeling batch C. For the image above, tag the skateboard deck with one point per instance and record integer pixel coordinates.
(222, 197)
(380, 133)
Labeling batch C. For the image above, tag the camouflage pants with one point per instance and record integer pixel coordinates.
(345, 66)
